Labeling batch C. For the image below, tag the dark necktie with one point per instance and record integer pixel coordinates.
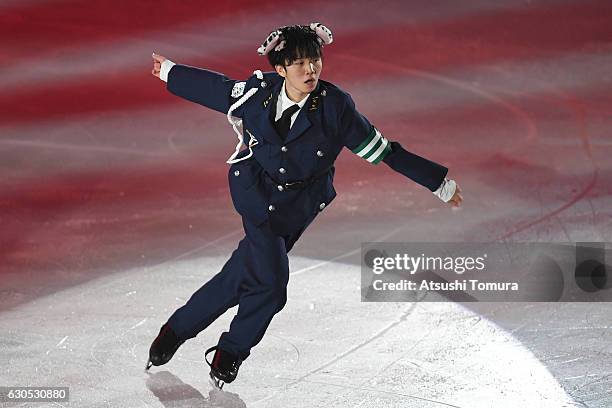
(284, 123)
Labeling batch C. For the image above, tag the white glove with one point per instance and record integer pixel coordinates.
(446, 191)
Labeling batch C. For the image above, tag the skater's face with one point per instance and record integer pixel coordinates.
(301, 76)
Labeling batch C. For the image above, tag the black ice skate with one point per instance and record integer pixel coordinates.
(224, 366)
(163, 347)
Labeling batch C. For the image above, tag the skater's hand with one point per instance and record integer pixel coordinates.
(457, 198)
(157, 61)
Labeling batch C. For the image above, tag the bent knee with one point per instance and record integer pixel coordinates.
(276, 294)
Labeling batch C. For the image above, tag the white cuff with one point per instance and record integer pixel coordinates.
(446, 191)
(166, 66)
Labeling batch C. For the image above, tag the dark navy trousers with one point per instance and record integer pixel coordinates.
(254, 278)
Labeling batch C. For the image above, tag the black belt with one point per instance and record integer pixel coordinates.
(298, 184)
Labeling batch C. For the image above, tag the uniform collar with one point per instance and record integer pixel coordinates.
(265, 118)
(284, 102)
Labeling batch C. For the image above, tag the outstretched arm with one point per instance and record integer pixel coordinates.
(202, 86)
(366, 141)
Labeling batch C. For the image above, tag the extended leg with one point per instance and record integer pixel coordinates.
(212, 299)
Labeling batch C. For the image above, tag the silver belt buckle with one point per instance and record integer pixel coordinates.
(291, 184)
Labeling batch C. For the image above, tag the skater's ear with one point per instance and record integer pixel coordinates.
(280, 70)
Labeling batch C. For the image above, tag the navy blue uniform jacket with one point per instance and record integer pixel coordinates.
(327, 123)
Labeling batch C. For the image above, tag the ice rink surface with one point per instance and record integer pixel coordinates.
(114, 205)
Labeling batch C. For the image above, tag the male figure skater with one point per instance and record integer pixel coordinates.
(294, 125)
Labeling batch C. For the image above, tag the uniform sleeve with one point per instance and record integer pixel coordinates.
(205, 87)
(367, 142)
(361, 137)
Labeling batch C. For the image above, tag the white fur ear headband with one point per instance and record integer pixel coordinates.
(275, 42)
(271, 42)
(324, 33)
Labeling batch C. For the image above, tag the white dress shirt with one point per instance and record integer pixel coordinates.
(284, 102)
(166, 66)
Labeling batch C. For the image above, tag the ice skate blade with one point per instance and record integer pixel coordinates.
(217, 383)
(148, 365)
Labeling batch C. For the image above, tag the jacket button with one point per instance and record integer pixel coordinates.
(284, 149)
(321, 206)
(280, 188)
(263, 84)
(271, 207)
(282, 170)
(237, 173)
(320, 153)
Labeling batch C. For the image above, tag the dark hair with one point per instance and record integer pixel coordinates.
(300, 42)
